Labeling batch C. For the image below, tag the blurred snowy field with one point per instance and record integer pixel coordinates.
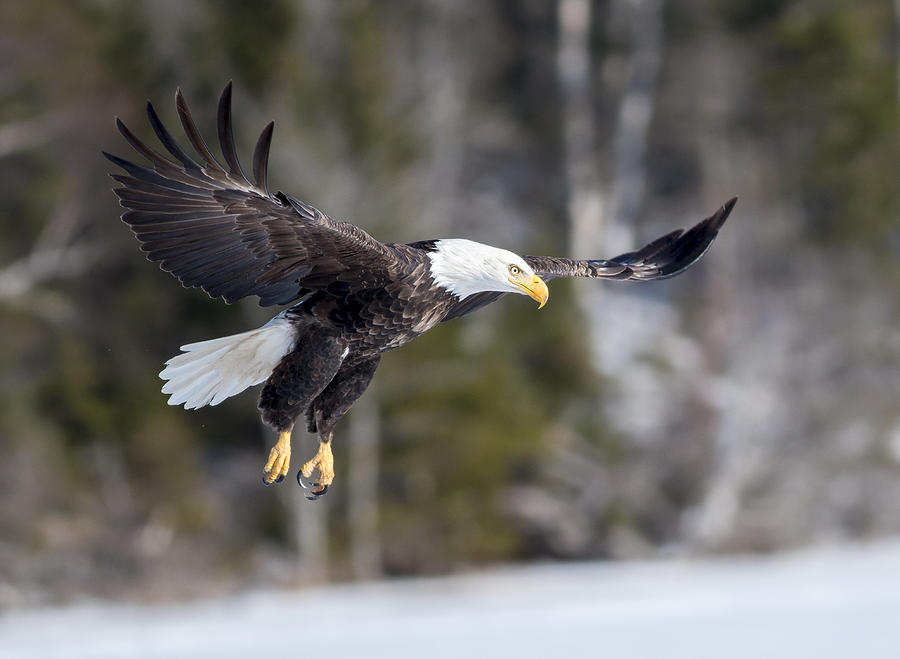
(838, 602)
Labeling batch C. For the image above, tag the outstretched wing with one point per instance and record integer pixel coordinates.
(665, 257)
(213, 227)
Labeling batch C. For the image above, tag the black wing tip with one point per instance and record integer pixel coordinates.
(181, 104)
(225, 127)
(261, 159)
(265, 135)
(724, 211)
(151, 112)
(664, 257)
(114, 159)
(124, 131)
(667, 256)
(225, 96)
(695, 246)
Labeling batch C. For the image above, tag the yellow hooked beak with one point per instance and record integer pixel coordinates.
(534, 288)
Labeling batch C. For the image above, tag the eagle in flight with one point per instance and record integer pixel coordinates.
(353, 297)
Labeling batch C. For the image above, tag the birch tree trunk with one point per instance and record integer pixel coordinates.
(628, 324)
(585, 199)
(897, 51)
(585, 203)
(598, 224)
(633, 121)
(601, 215)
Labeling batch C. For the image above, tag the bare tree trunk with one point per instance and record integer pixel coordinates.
(591, 216)
(363, 433)
(585, 199)
(633, 123)
(599, 224)
(897, 49)
(308, 519)
(631, 324)
(585, 203)
(442, 74)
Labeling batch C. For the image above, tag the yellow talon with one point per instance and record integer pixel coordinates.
(279, 461)
(324, 462)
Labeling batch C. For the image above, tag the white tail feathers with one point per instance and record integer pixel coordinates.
(208, 372)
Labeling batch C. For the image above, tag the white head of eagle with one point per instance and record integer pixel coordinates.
(465, 267)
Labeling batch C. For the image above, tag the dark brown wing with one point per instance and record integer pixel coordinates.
(212, 227)
(665, 257)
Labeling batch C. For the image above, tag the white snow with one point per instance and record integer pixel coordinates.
(820, 603)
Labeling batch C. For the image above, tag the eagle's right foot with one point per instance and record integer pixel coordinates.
(323, 462)
(279, 461)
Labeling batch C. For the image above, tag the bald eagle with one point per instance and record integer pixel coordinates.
(353, 297)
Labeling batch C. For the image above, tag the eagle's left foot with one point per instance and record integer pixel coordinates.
(324, 462)
(279, 461)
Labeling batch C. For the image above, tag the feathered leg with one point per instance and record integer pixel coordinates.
(326, 410)
(297, 380)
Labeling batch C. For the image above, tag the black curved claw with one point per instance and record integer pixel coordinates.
(314, 495)
(267, 483)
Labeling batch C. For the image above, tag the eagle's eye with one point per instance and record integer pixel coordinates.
(514, 270)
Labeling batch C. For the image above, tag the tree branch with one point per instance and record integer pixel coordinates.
(31, 133)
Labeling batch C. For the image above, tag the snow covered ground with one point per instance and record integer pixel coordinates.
(842, 602)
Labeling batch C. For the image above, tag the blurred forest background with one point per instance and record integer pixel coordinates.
(749, 405)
